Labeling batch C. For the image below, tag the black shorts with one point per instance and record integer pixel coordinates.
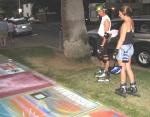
(99, 43)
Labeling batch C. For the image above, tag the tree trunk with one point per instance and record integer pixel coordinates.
(75, 36)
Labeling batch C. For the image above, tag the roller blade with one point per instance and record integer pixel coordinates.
(133, 91)
(134, 94)
(105, 77)
(103, 80)
(97, 74)
(121, 94)
(121, 91)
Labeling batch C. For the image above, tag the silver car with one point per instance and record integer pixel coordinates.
(21, 26)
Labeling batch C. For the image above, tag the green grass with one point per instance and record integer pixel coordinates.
(83, 81)
(21, 53)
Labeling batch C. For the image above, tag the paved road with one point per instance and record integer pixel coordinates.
(43, 34)
(46, 34)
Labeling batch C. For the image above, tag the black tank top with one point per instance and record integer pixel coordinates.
(128, 38)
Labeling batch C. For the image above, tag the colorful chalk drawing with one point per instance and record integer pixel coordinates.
(22, 82)
(22, 66)
(53, 105)
(43, 77)
(56, 102)
(27, 93)
(3, 72)
(9, 68)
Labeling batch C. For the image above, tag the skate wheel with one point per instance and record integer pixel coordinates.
(121, 95)
(138, 95)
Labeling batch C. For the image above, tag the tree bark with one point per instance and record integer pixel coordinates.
(75, 38)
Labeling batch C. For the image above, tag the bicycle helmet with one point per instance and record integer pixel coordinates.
(115, 69)
(100, 7)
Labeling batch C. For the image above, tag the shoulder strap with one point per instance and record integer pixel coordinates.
(127, 49)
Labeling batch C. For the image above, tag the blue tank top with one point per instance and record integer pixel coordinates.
(128, 38)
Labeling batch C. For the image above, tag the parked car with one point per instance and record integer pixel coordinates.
(34, 20)
(141, 39)
(21, 26)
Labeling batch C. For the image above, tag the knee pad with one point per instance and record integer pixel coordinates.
(104, 59)
(100, 58)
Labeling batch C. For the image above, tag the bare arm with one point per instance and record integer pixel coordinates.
(122, 35)
(106, 28)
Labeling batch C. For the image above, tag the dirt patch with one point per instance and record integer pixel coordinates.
(58, 62)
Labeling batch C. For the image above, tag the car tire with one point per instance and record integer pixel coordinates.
(92, 48)
(142, 56)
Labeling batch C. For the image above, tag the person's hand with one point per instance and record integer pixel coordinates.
(100, 49)
(115, 53)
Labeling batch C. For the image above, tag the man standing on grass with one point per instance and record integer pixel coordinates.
(105, 25)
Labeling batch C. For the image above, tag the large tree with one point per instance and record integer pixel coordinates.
(74, 31)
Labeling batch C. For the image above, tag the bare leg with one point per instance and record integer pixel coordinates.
(123, 71)
(106, 58)
(102, 64)
(129, 71)
(122, 90)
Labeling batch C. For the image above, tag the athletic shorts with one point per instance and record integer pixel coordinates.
(3, 34)
(99, 43)
(127, 48)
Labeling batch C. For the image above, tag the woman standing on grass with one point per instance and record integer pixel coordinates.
(125, 50)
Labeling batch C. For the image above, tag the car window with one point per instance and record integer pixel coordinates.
(144, 26)
(116, 24)
(21, 22)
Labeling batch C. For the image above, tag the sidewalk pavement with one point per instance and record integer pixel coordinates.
(27, 93)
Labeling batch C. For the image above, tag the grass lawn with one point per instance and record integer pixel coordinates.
(82, 80)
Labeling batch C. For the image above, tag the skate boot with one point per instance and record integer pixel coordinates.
(104, 77)
(133, 90)
(99, 73)
(122, 90)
